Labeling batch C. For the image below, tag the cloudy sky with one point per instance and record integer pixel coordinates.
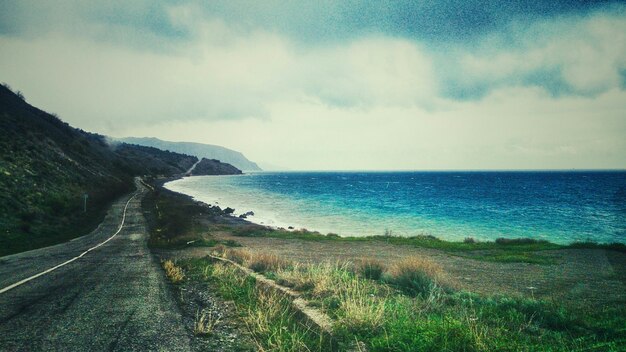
(336, 85)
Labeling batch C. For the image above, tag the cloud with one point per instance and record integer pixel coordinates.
(510, 128)
(222, 74)
(580, 55)
(540, 90)
(310, 22)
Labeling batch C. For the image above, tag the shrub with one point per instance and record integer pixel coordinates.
(415, 276)
(469, 240)
(512, 241)
(370, 268)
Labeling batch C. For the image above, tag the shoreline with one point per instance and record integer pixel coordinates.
(295, 227)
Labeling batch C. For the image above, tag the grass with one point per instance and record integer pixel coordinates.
(205, 323)
(274, 325)
(414, 307)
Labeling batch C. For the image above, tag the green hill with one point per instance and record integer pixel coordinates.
(47, 166)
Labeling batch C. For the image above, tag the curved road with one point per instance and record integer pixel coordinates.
(114, 297)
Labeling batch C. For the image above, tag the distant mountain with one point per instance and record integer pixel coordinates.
(213, 167)
(200, 150)
(47, 166)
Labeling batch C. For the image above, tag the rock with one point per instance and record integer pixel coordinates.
(245, 215)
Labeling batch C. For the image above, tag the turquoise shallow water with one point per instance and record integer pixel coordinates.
(558, 206)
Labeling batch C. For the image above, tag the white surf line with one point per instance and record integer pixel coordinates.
(73, 259)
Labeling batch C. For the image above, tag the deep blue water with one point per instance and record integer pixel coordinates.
(559, 206)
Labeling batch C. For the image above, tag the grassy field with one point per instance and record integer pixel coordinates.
(411, 306)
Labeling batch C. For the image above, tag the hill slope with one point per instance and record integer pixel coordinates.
(200, 150)
(46, 168)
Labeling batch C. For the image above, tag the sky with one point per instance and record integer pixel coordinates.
(335, 85)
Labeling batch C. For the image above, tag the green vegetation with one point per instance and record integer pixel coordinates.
(412, 307)
(274, 325)
(46, 168)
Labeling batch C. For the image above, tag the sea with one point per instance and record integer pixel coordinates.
(558, 206)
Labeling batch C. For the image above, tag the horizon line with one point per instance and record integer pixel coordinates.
(444, 170)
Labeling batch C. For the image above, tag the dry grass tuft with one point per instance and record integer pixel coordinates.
(263, 262)
(416, 276)
(205, 323)
(173, 272)
(370, 268)
(319, 280)
(239, 256)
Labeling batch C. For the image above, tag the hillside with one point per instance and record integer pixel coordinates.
(46, 168)
(200, 150)
(214, 167)
(152, 161)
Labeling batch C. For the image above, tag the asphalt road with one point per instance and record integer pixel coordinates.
(114, 297)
